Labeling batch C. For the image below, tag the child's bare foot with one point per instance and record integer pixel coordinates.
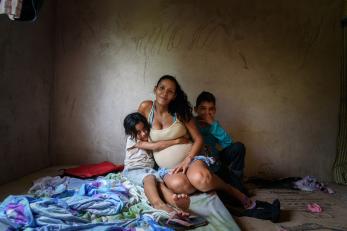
(181, 201)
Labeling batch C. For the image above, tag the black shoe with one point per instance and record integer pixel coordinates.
(264, 210)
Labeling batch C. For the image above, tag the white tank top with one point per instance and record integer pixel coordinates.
(173, 155)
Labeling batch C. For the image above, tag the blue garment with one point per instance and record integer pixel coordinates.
(104, 204)
(137, 175)
(103, 186)
(15, 211)
(96, 206)
(49, 186)
(55, 211)
(213, 135)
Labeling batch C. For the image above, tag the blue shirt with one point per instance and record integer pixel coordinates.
(214, 134)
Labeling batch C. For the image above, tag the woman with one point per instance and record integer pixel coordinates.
(170, 117)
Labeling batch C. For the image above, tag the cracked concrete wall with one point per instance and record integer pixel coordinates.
(273, 66)
(26, 77)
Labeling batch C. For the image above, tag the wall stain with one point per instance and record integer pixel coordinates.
(245, 64)
(72, 107)
(310, 39)
(172, 37)
(145, 68)
(171, 43)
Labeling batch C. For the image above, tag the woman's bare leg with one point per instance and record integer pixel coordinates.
(204, 180)
(179, 183)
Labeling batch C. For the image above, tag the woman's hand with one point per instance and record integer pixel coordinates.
(183, 166)
(182, 140)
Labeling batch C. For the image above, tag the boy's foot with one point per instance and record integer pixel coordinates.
(248, 203)
(265, 210)
(181, 201)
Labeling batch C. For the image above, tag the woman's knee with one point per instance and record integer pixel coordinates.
(179, 184)
(202, 180)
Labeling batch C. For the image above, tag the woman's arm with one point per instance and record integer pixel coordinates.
(196, 136)
(145, 107)
(196, 147)
(160, 145)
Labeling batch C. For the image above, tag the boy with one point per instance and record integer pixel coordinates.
(230, 160)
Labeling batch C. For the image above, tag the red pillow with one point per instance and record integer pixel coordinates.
(93, 170)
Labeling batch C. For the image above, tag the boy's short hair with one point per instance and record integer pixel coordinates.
(130, 122)
(205, 96)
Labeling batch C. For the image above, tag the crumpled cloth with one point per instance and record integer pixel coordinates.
(314, 208)
(310, 184)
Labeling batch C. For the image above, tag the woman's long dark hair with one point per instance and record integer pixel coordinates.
(180, 105)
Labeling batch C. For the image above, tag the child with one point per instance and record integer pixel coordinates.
(230, 160)
(139, 165)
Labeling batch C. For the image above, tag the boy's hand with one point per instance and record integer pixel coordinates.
(207, 119)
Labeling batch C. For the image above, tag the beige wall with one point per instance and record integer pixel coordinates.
(26, 72)
(273, 66)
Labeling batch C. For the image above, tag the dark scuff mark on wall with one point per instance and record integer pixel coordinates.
(245, 64)
(311, 41)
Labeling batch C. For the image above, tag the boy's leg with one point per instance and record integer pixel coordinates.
(233, 157)
(230, 178)
(233, 162)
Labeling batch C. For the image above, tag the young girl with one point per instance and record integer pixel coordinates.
(139, 165)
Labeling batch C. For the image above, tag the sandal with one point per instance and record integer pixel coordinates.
(177, 222)
(174, 218)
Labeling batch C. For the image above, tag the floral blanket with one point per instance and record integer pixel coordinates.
(107, 203)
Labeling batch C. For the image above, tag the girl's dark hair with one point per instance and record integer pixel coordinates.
(130, 122)
(180, 105)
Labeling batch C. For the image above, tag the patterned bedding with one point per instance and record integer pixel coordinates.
(107, 203)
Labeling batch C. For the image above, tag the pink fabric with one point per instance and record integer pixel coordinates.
(314, 208)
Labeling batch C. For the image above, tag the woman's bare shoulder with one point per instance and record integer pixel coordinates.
(145, 107)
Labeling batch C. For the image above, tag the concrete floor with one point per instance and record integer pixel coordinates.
(294, 215)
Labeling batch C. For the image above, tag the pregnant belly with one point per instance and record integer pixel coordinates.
(173, 155)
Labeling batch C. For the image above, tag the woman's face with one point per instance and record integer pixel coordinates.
(165, 92)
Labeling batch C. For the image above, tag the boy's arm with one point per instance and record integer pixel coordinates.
(220, 134)
(216, 130)
(160, 145)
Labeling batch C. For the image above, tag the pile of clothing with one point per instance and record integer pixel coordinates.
(107, 203)
(307, 183)
(21, 10)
